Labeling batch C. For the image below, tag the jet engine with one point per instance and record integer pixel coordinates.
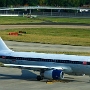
(54, 74)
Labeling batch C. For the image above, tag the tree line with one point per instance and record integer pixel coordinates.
(59, 3)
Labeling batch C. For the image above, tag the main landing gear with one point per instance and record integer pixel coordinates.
(39, 78)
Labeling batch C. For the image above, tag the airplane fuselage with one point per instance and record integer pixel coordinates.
(69, 63)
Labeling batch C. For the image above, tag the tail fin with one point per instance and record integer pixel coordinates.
(3, 45)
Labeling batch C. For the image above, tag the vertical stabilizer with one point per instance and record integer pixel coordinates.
(3, 45)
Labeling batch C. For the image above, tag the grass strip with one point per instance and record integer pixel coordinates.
(43, 20)
(64, 36)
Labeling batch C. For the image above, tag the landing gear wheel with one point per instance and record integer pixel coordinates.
(39, 78)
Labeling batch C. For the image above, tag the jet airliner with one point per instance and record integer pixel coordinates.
(50, 66)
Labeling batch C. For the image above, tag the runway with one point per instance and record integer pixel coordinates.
(21, 46)
(6, 27)
(11, 78)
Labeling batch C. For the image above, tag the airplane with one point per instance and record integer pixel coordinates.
(50, 66)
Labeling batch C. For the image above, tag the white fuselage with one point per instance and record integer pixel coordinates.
(70, 63)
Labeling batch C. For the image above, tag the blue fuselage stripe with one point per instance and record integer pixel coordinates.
(44, 60)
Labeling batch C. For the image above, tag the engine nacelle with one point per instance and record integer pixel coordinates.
(54, 74)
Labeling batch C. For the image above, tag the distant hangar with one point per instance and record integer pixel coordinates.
(6, 10)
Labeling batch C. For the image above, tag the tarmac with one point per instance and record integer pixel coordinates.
(13, 79)
(6, 27)
(21, 46)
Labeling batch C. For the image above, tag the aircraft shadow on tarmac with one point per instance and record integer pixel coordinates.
(26, 75)
(30, 76)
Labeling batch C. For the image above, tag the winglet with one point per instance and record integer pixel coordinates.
(3, 45)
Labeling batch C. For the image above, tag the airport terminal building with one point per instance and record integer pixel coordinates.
(45, 11)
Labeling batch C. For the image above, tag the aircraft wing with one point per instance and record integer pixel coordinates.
(33, 67)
